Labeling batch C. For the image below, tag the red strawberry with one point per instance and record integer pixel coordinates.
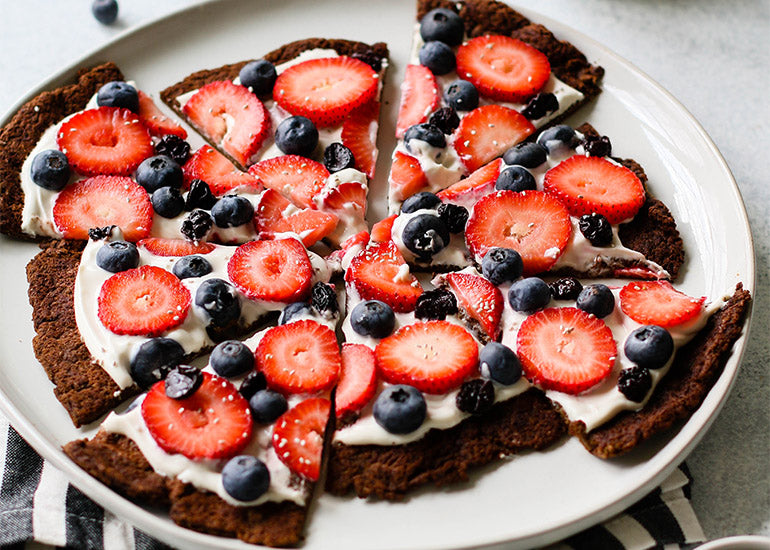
(419, 98)
(380, 273)
(275, 214)
(487, 132)
(565, 349)
(298, 436)
(503, 68)
(106, 140)
(214, 168)
(593, 184)
(326, 90)
(359, 134)
(479, 184)
(231, 117)
(533, 223)
(101, 201)
(434, 357)
(359, 239)
(358, 379)
(174, 247)
(406, 177)
(480, 299)
(214, 422)
(382, 230)
(297, 178)
(658, 303)
(156, 122)
(275, 271)
(345, 197)
(145, 301)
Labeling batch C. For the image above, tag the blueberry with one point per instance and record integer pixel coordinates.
(191, 266)
(425, 235)
(558, 137)
(635, 382)
(596, 299)
(649, 346)
(105, 11)
(50, 170)
(116, 256)
(219, 300)
(174, 148)
(167, 202)
(443, 25)
(199, 196)
(231, 358)
(297, 135)
(259, 76)
(502, 265)
(232, 211)
(400, 409)
(515, 178)
(445, 119)
(118, 94)
(323, 298)
(159, 171)
(294, 311)
(245, 478)
(100, 233)
(499, 363)
(370, 57)
(540, 105)
(475, 396)
(566, 288)
(420, 201)
(182, 381)
(373, 318)
(597, 146)
(454, 216)
(338, 157)
(154, 359)
(196, 225)
(252, 383)
(435, 304)
(438, 57)
(596, 229)
(266, 406)
(528, 155)
(426, 132)
(462, 95)
(529, 294)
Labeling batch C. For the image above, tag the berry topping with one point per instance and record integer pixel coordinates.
(276, 271)
(359, 133)
(275, 215)
(424, 132)
(197, 225)
(358, 380)
(231, 358)
(294, 312)
(478, 299)
(174, 147)
(167, 202)
(400, 409)
(50, 170)
(258, 76)
(558, 138)
(199, 196)
(445, 119)
(191, 266)
(419, 97)
(100, 233)
(105, 11)
(406, 176)
(323, 298)
(174, 247)
(566, 288)
(454, 217)
(266, 406)
(252, 383)
(118, 94)
(515, 178)
(435, 304)
(528, 155)
(597, 146)
(117, 256)
(424, 200)
(425, 235)
(299, 179)
(156, 122)
(476, 396)
(338, 157)
(369, 57)
(596, 299)
(596, 229)
(438, 57)
(232, 211)
(296, 135)
(159, 171)
(298, 436)
(217, 171)
(373, 318)
(635, 382)
(382, 230)
(498, 362)
(540, 105)
(348, 196)
(502, 265)
(462, 95)
(245, 478)
(443, 25)
(182, 381)
(658, 303)
(528, 295)
(471, 189)
(649, 346)
(219, 300)
(154, 359)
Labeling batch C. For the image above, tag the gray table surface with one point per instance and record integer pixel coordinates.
(712, 55)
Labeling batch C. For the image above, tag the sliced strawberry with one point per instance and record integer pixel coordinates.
(434, 357)
(231, 117)
(480, 300)
(275, 214)
(101, 201)
(479, 184)
(326, 90)
(533, 223)
(214, 422)
(359, 134)
(106, 140)
(298, 436)
(214, 168)
(345, 197)
(658, 303)
(383, 230)
(406, 177)
(503, 68)
(156, 122)
(358, 379)
(144, 301)
(297, 178)
(275, 271)
(174, 247)
(380, 273)
(487, 132)
(419, 98)
(565, 349)
(360, 239)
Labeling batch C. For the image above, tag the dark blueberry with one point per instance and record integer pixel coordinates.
(596, 229)
(516, 178)
(191, 266)
(373, 318)
(266, 406)
(182, 381)
(425, 235)
(99, 233)
(558, 137)
(597, 146)
(462, 95)
(444, 25)
(105, 11)
(435, 304)
(454, 216)
(649, 346)
(259, 76)
(499, 363)
(529, 294)
(253, 382)
(116, 256)
(424, 132)
(420, 201)
(566, 288)
(596, 299)
(232, 211)
(297, 135)
(118, 94)
(370, 58)
(528, 155)
(199, 196)
(400, 409)
(231, 358)
(476, 396)
(197, 225)
(245, 478)
(50, 170)
(219, 300)
(502, 265)
(438, 57)
(445, 119)
(338, 157)
(293, 311)
(540, 105)
(174, 148)
(167, 202)
(154, 359)
(323, 298)
(159, 171)
(635, 382)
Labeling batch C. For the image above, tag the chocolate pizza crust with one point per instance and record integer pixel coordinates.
(19, 137)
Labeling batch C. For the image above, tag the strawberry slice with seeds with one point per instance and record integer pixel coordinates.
(479, 299)
(144, 301)
(658, 303)
(383, 230)
(214, 168)
(434, 357)
(479, 184)
(275, 214)
(565, 349)
(360, 240)
(346, 197)
(533, 223)
(107, 140)
(298, 436)
(380, 273)
(359, 134)
(503, 68)
(487, 132)
(174, 247)
(101, 201)
(406, 177)
(419, 98)
(299, 179)
(156, 122)
(214, 422)
(326, 90)
(275, 271)
(231, 117)
(358, 380)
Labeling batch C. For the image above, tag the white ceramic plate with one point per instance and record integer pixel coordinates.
(530, 500)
